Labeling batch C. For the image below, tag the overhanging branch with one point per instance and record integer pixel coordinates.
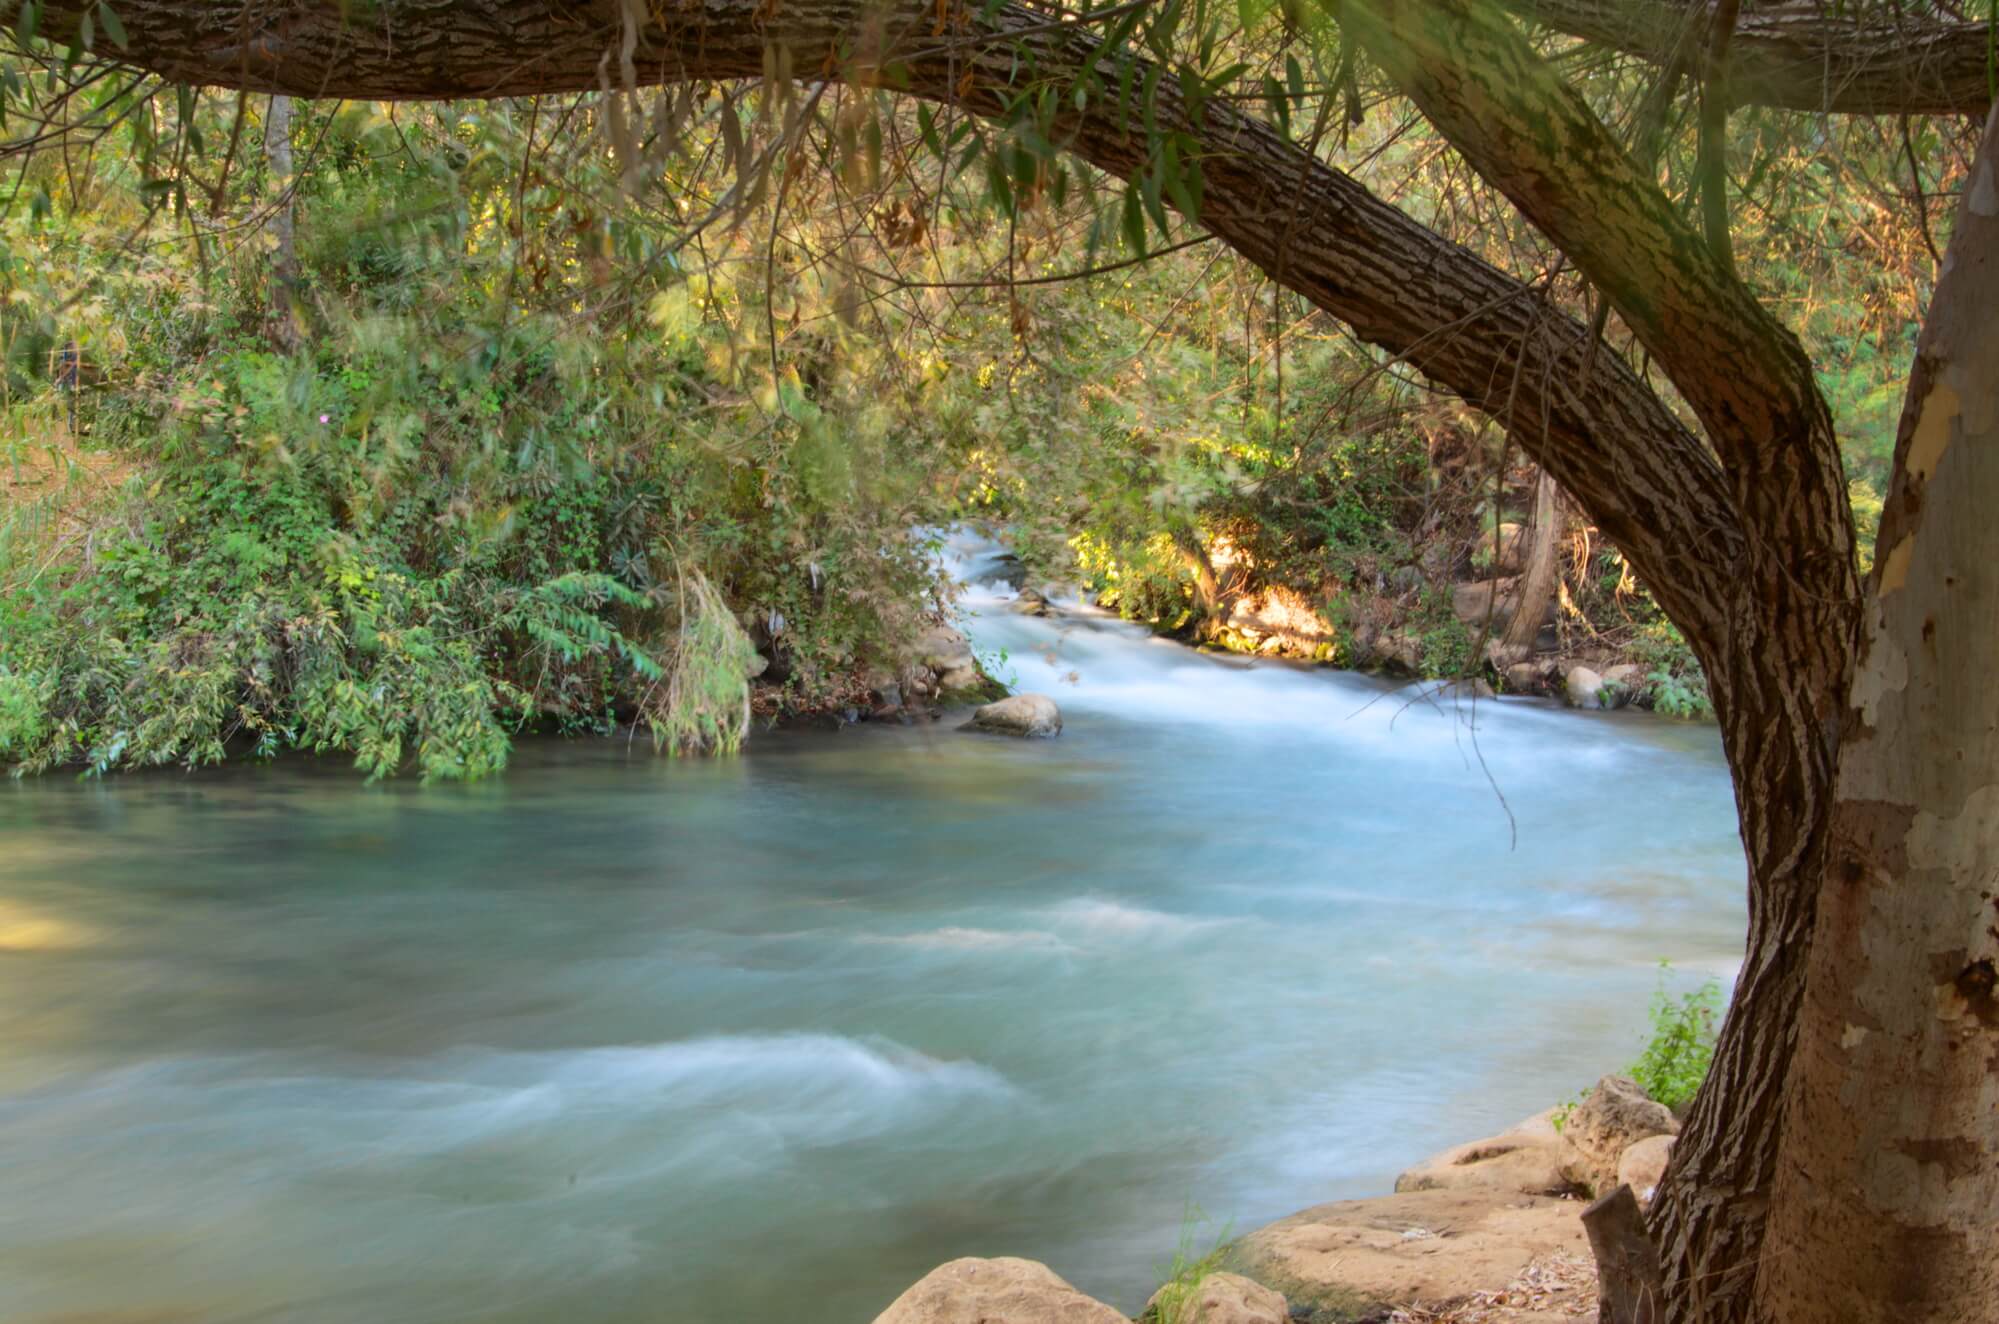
(1857, 58)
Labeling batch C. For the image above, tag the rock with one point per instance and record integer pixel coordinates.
(1019, 715)
(1622, 682)
(1359, 1259)
(1508, 561)
(1643, 1167)
(943, 649)
(1001, 1291)
(1223, 1298)
(959, 678)
(1583, 688)
(1280, 614)
(1616, 1115)
(1030, 602)
(1474, 603)
(1524, 678)
(1525, 1159)
(1404, 579)
(1400, 650)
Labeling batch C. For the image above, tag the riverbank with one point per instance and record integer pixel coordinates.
(1485, 1232)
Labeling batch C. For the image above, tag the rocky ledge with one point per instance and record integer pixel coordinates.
(1487, 1232)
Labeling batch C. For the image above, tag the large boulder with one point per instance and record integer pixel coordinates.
(944, 649)
(1360, 1259)
(1219, 1298)
(1616, 1115)
(1643, 1167)
(1622, 683)
(1525, 1159)
(1031, 602)
(1583, 688)
(1019, 715)
(1001, 1291)
(1399, 650)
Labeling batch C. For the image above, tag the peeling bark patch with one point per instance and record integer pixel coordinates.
(1984, 197)
(1895, 570)
(1874, 836)
(1975, 984)
(1883, 668)
(1941, 408)
(1958, 1156)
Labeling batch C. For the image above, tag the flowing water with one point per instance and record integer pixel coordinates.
(618, 1038)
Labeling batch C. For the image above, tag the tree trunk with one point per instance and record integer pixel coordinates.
(1886, 1198)
(1779, 668)
(284, 252)
(1541, 573)
(1207, 587)
(1806, 54)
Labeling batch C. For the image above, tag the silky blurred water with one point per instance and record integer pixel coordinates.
(617, 1038)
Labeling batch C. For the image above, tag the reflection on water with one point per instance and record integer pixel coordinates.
(620, 1039)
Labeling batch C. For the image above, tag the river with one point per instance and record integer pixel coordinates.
(621, 1038)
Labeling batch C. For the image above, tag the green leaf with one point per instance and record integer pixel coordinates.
(114, 27)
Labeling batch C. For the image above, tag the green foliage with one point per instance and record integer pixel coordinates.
(448, 516)
(1677, 1056)
(574, 435)
(1181, 1278)
(1673, 673)
(1559, 1117)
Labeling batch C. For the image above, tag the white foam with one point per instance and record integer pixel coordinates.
(1096, 917)
(952, 938)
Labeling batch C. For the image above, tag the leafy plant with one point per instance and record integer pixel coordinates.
(1681, 1047)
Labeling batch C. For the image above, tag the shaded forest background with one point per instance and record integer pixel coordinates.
(398, 430)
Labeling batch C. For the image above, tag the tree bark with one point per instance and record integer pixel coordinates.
(284, 252)
(1778, 671)
(1207, 587)
(1539, 575)
(1887, 1200)
(1849, 58)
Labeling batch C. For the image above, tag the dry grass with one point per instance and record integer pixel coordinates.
(55, 496)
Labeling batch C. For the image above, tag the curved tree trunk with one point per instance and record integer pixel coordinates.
(1886, 1199)
(1778, 671)
(1539, 575)
(1207, 587)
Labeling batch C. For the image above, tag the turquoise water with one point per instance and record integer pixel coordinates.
(623, 1039)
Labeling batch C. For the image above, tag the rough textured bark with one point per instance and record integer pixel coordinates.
(1628, 1288)
(1865, 59)
(1540, 573)
(1887, 1200)
(1779, 669)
